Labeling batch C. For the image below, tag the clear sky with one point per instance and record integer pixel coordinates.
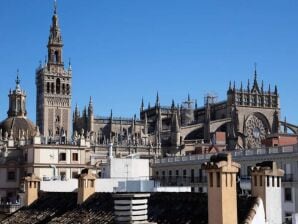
(122, 50)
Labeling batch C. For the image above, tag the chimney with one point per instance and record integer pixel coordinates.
(266, 184)
(32, 186)
(222, 194)
(86, 186)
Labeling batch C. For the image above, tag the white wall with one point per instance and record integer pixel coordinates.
(127, 168)
(59, 186)
(259, 217)
(273, 203)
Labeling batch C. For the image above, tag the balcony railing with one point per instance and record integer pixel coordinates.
(180, 180)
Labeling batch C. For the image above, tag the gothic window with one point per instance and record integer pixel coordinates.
(58, 86)
(52, 88)
(63, 88)
(67, 89)
(256, 132)
(57, 119)
(48, 87)
(57, 131)
(56, 57)
(18, 106)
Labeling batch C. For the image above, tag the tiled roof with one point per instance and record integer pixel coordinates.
(163, 208)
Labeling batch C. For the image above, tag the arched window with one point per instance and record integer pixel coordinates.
(63, 88)
(67, 89)
(58, 86)
(57, 131)
(48, 87)
(57, 119)
(52, 88)
(56, 60)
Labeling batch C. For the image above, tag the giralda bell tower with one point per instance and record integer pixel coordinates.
(53, 85)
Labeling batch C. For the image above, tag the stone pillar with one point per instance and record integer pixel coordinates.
(266, 184)
(86, 186)
(32, 186)
(131, 208)
(222, 193)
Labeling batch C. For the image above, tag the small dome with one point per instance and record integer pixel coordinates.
(18, 124)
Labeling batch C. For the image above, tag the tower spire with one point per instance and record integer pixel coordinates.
(142, 104)
(157, 103)
(255, 78)
(55, 40)
(255, 84)
(18, 81)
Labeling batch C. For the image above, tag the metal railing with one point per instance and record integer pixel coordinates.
(179, 180)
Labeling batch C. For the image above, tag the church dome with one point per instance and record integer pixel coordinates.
(19, 125)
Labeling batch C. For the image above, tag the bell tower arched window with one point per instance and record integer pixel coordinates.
(58, 86)
(56, 57)
(48, 87)
(52, 88)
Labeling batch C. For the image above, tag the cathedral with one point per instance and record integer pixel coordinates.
(246, 119)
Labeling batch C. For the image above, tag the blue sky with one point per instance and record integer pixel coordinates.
(122, 50)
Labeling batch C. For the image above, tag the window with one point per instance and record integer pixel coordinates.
(67, 89)
(75, 157)
(192, 176)
(52, 88)
(56, 58)
(63, 88)
(58, 86)
(288, 194)
(261, 181)
(268, 181)
(74, 174)
(11, 175)
(63, 175)
(184, 173)
(288, 217)
(48, 87)
(156, 173)
(177, 173)
(62, 156)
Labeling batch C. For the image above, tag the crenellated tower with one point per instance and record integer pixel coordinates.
(53, 86)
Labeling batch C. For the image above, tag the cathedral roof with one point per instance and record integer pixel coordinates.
(18, 125)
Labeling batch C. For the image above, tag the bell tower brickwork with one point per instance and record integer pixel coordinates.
(53, 82)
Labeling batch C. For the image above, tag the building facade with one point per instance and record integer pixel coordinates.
(187, 171)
